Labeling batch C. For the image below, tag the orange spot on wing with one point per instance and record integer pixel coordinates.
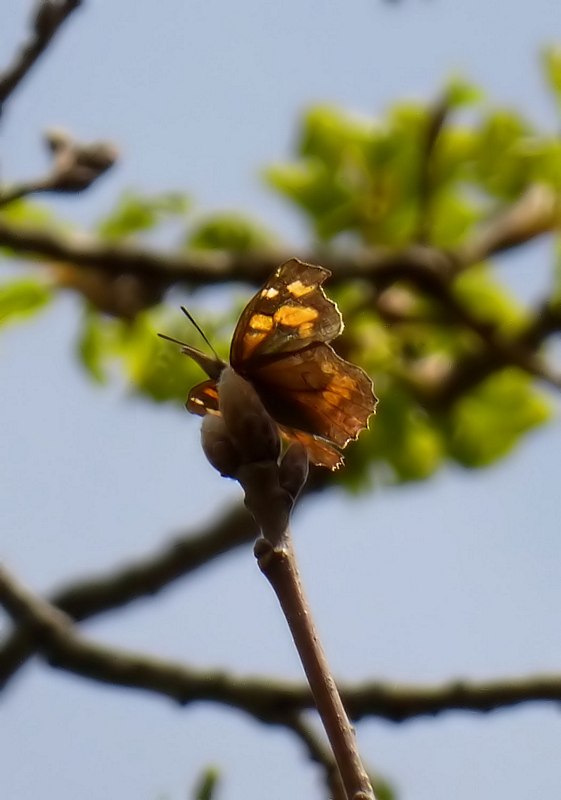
(299, 289)
(295, 317)
(261, 322)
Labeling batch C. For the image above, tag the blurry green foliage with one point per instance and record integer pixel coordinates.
(207, 785)
(486, 423)
(555, 296)
(228, 231)
(33, 214)
(551, 61)
(429, 173)
(93, 345)
(488, 301)
(135, 213)
(22, 298)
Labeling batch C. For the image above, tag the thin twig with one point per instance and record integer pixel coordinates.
(436, 119)
(534, 213)
(278, 564)
(23, 189)
(48, 18)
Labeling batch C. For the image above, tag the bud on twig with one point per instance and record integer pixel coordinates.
(76, 165)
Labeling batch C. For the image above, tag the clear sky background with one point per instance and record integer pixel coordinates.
(458, 577)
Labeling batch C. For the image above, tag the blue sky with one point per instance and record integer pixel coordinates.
(456, 577)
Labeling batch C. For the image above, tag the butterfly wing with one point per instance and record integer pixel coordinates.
(288, 313)
(320, 452)
(203, 399)
(316, 391)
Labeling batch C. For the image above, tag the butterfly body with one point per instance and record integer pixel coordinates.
(281, 346)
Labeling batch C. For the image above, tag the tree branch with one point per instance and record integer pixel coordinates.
(48, 18)
(497, 351)
(418, 264)
(267, 699)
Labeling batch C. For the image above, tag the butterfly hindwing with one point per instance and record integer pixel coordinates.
(203, 399)
(317, 391)
(320, 452)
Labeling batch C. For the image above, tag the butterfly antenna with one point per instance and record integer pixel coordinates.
(171, 339)
(193, 321)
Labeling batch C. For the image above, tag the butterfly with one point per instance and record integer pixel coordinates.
(281, 346)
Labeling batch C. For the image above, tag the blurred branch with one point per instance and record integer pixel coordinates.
(429, 269)
(536, 212)
(75, 166)
(425, 267)
(497, 351)
(267, 699)
(146, 577)
(436, 119)
(418, 264)
(319, 754)
(48, 17)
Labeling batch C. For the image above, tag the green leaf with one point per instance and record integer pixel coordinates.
(28, 213)
(461, 93)
(551, 65)
(136, 213)
(334, 137)
(452, 217)
(205, 788)
(488, 300)
(22, 298)
(314, 188)
(229, 231)
(506, 156)
(555, 296)
(92, 345)
(404, 437)
(486, 424)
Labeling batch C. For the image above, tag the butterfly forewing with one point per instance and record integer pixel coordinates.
(288, 313)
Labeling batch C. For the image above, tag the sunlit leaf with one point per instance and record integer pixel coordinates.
(551, 63)
(488, 300)
(460, 93)
(22, 298)
(92, 346)
(137, 213)
(228, 231)
(488, 422)
(207, 784)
